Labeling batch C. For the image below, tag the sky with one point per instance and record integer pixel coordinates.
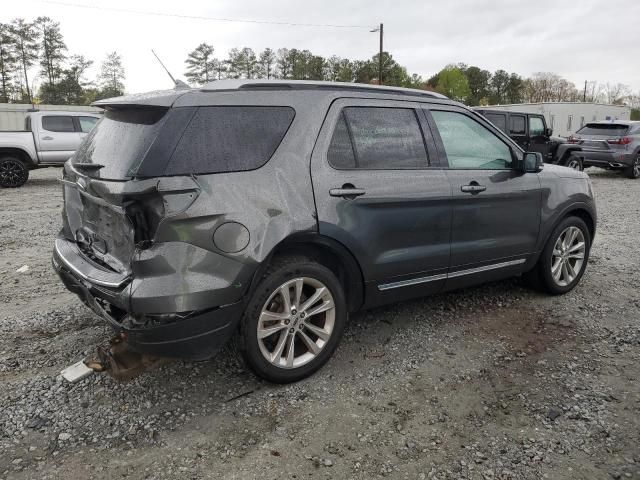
(581, 40)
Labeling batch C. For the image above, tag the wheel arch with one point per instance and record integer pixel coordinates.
(326, 251)
(565, 151)
(21, 154)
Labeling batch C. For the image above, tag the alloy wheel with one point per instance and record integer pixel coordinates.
(568, 256)
(11, 173)
(296, 322)
(636, 167)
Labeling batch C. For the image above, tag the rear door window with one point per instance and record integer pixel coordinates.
(229, 139)
(378, 138)
(498, 119)
(517, 125)
(58, 123)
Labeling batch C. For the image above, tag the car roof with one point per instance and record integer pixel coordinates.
(166, 98)
(245, 84)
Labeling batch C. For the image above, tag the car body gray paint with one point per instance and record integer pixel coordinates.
(183, 270)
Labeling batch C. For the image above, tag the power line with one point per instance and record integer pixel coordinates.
(197, 17)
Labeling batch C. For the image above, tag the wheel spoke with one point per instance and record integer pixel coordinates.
(313, 299)
(311, 345)
(576, 247)
(277, 352)
(291, 350)
(298, 292)
(268, 331)
(323, 307)
(319, 332)
(555, 269)
(286, 298)
(267, 316)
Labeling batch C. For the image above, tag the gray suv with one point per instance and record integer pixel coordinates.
(271, 210)
(614, 145)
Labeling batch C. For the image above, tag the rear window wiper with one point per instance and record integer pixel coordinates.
(88, 166)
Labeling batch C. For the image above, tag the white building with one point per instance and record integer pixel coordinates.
(12, 115)
(565, 118)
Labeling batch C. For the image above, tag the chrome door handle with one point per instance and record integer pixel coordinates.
(472, 188)
(347, 192)
(47, 138)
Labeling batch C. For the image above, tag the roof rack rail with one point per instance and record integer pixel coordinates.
(227, 85)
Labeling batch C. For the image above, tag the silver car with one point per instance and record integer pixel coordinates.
(614, 145)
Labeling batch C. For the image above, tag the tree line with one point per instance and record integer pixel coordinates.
(291, 63)
(61, 76)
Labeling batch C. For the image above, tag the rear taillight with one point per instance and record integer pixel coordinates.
(619, 141)
(573, 139)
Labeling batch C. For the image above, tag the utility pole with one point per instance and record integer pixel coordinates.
(584, 98)
(380, 55)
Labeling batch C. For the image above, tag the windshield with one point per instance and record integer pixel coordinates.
(604, 129)
(120, 141)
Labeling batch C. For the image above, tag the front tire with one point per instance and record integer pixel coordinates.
(564, 258)
(13, 172)
(634, 170)
(294, 320)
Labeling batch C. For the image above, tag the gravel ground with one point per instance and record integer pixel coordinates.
(496, 382)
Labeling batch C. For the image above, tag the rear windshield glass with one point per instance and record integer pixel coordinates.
(607, 129)
(119, 141)
(229, 139)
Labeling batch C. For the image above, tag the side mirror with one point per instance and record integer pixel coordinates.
(532, 162)
(548, 132)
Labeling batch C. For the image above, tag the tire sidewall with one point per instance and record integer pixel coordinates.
(631, 173)
(25, 172)
(248, 326)
(547, 254)
(570, 159)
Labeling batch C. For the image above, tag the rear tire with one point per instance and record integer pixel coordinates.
(287, 339)
(564, 259)
(13, 172)
(634, 170)
(574, 162)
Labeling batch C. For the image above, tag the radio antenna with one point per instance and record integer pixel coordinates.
(165, 68)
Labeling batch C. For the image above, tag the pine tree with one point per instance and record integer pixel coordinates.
(202, 66)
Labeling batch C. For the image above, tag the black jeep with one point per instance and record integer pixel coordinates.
(529, 130)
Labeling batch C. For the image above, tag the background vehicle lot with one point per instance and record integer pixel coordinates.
(492, 382)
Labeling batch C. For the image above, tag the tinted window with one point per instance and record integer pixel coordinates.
(87, 123)
(536, 126)
(57, 123)
(605, 129)
(340, 153)
(382, 138)
(468, 144)
(517, 125)
(227, 139)
(498, 120)
(120, 140)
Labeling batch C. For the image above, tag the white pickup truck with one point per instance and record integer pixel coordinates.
(49, 139)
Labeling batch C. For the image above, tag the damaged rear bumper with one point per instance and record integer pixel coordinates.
(195, 335)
